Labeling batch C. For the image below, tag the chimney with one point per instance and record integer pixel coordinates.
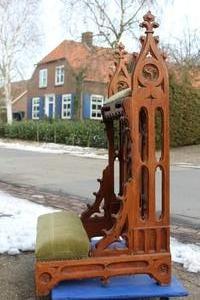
(87, 38)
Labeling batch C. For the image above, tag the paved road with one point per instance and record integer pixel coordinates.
(64, 173)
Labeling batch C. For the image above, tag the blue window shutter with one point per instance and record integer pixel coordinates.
(86, 106)
(29, 108)
(41, 114)
(59, 106)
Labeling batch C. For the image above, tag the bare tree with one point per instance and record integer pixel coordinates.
(185, 50)
(79, 77)
(112, 19)
(18, 36)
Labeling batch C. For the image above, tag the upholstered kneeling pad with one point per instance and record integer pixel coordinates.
(61, 235)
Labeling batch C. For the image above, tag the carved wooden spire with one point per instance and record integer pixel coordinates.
(148, 72)
(120, 79)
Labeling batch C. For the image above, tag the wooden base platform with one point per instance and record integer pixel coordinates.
(126, 287)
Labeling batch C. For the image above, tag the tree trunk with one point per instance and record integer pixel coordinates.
(79, 95)
(9, 112)
(81, 106)
(8, 100)
(78, 99)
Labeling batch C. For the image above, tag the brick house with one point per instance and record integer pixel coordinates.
(72, 69)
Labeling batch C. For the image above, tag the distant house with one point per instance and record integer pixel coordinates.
(73, 70)
(19, 99)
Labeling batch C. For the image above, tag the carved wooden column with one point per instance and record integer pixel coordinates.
(150, 97)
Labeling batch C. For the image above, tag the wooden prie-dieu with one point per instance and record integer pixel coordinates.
(133, 235)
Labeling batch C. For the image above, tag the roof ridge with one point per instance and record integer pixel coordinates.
(96, 59)
(52, 53)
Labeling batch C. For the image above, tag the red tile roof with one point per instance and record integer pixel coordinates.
(97, 61)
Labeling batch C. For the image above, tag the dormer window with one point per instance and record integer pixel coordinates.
(59, 75)
(43, 78)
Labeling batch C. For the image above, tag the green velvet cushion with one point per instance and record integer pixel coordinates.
(61, 235)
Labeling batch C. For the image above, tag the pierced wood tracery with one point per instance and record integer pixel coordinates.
(130, 218)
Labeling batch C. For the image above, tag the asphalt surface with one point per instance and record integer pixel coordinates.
(67, 174)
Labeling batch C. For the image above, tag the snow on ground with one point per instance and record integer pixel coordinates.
(186, 254)
(54, 148)
(187, 165)
(18, 218)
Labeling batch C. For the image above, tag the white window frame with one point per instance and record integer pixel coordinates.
(93, 98)
(43, 77)
(59, 76)
(47, 105)
(35, 104)
(66, 112)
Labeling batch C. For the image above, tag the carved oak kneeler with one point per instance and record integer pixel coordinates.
(134, 233)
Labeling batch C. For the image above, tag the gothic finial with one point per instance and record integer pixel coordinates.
(149, 23)
(120, 51)
(120, 78)
(121, 46)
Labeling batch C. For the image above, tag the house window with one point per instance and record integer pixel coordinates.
(59, 75)
(66, 106)
(43, 78)
(35, 108)
(96, 104)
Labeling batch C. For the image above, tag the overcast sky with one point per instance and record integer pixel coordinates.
(173, 18)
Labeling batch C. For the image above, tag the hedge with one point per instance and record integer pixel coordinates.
(184, 114)
(89, 133)
(184, 124)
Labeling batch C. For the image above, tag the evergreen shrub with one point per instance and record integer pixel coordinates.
(88, 133)
(184, 114)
